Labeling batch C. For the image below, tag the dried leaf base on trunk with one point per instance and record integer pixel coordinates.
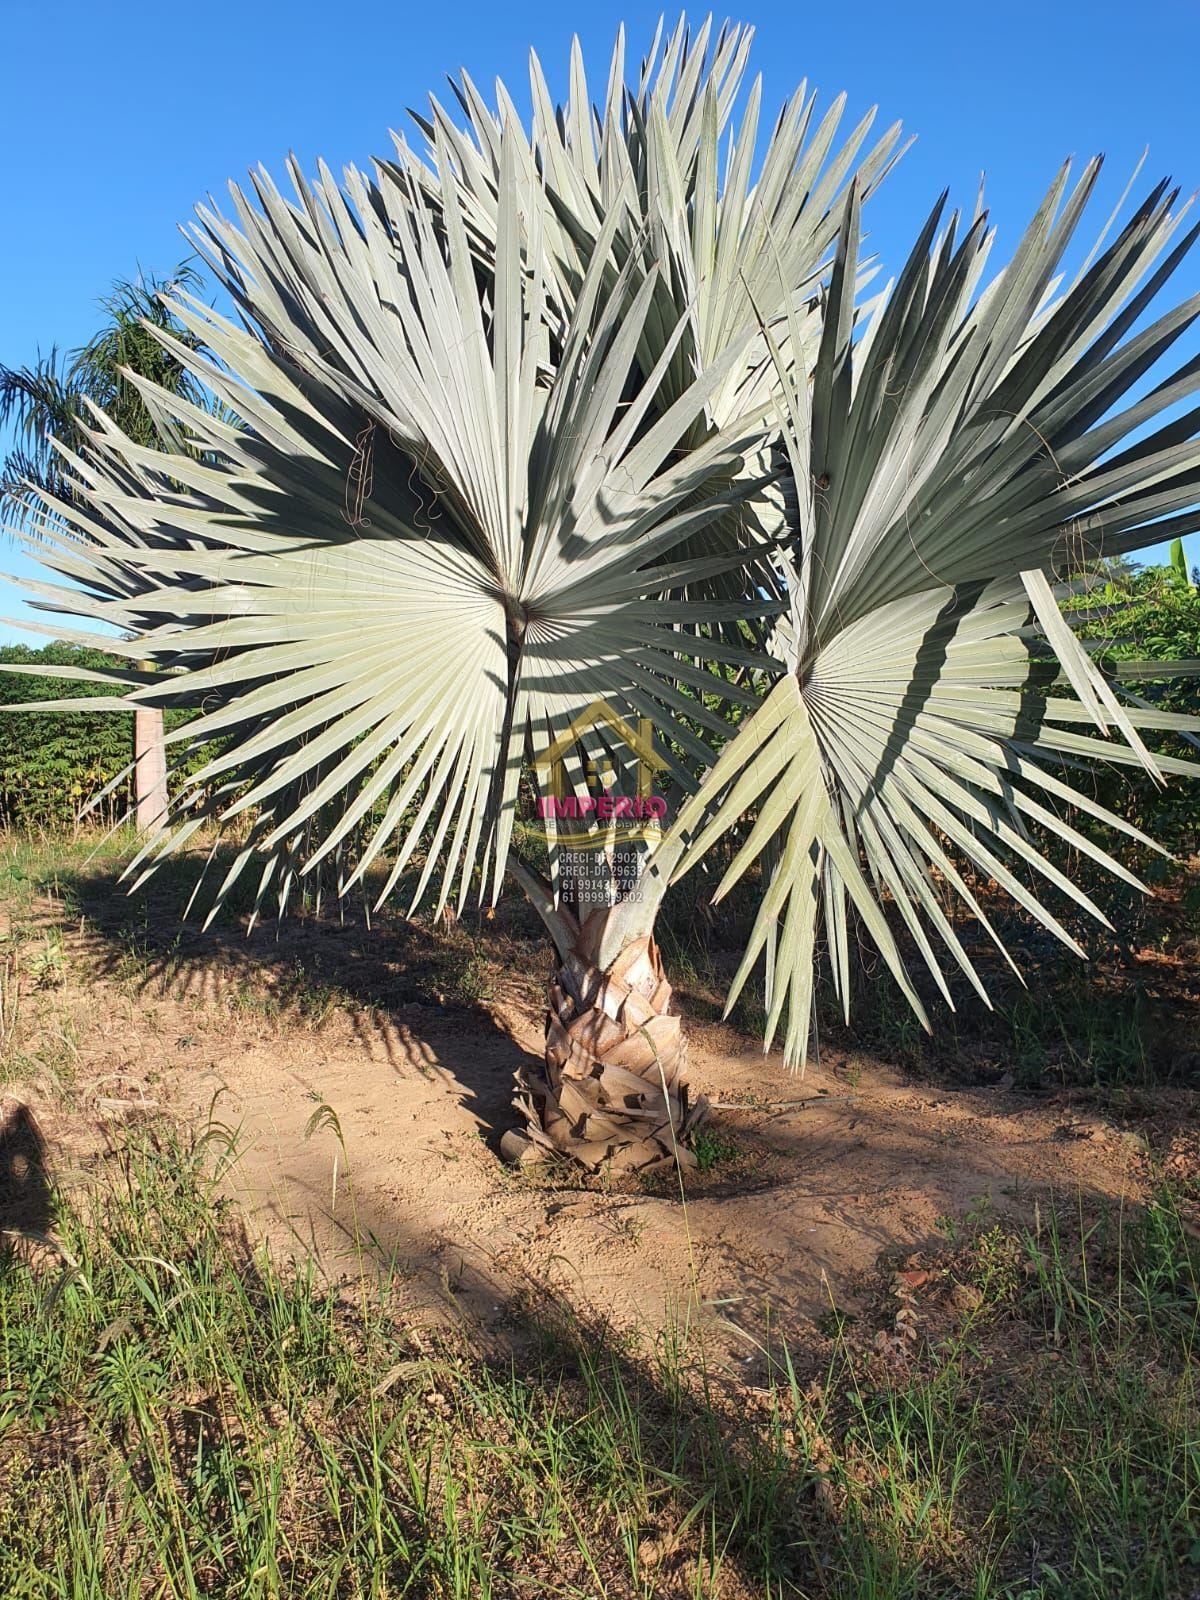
(613, 1092)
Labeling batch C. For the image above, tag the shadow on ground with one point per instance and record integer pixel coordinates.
(26, 1204)
(530, 1276)
(397, 981)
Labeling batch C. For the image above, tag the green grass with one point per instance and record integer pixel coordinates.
(35, 864)
(180, 1415)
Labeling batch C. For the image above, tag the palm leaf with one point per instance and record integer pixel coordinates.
(417, 557)
(944, 464)
(515, 413)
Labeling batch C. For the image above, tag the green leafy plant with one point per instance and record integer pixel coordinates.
(52, 406)
(712, 1150)
(53, 765)
(558, 432)
(57, 765)
(1144, 632)
(1179, 568)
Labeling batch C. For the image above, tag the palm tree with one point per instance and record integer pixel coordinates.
(49, 404)
(556, 439)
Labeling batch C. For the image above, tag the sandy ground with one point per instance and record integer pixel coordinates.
(825, 1174)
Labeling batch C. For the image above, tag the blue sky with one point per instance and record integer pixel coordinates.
(120, 117)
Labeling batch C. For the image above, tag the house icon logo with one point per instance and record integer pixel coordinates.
(596, 782)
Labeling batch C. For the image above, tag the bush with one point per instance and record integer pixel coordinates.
(52, 763)
(1152, 614)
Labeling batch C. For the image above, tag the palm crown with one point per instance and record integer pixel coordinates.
(535, 420)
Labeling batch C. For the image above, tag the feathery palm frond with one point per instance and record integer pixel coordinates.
(40, 402)
(126, 342)
(50, 401)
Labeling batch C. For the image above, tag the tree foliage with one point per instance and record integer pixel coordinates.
(56, 765)
(54, 399)
(548, 414)
(52, 764)
(1135, 617)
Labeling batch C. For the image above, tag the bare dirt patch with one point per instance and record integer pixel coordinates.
(368, 1075)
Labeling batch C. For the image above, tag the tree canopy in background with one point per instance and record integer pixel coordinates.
(52, 764)
(55, 764)
(1138, 615)
(52, 399)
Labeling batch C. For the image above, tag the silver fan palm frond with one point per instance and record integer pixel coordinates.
(589, 414)
(418, 552)
(734, 235)
(639, 189)
(947, 464)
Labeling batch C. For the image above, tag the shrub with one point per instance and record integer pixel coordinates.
(1151, 614)
(53, 763)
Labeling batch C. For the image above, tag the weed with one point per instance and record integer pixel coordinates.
(712, 1149)
(10, 1004)
(469, 979)
(181, 1415)
(968, 1225)
(45, 962)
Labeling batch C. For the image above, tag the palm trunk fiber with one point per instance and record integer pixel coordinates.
(613, 1092)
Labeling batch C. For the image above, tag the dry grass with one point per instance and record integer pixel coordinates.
(1012, 1414)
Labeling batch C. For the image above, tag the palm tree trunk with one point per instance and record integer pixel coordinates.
(613, 1088)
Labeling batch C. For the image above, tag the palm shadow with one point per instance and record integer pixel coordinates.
(540, 1332)
(413, 989)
